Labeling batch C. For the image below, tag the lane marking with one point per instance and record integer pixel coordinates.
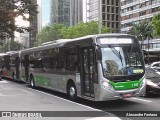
(64, 99)
(3, 81)
(117, 118)
(140, 99)
(26, 91)
(15, 95)
(103, 118)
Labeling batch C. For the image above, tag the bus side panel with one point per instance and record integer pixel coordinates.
(50, 81)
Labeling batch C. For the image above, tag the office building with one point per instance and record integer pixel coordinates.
(60, 12)
(67, 12)
(76, 11)
(109, 10)
(136, 11)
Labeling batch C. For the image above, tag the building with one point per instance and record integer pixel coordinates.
(39, 15)
(136, 11)
(76, 11)
(67, 12)
(109, 11)
(60, 12)
(151, 49)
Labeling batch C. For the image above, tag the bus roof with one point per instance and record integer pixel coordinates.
(62, 42)
(85, 37)
(3, 54)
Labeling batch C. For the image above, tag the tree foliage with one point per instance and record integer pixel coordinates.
(9, 10)
(142, 30)
(58, 31)
(14, 46)
(49, 33)
(156, 25)
(82, 29)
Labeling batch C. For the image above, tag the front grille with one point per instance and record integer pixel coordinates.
(115, 81)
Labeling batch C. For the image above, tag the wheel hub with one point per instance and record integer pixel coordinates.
(72, 91)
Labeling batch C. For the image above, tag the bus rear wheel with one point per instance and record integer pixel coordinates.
(32, 83)
(72, 92)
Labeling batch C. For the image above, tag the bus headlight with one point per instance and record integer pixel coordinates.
(107, 85)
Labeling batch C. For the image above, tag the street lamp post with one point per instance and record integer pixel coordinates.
(148, 52)
(9, 46)
(100, 17)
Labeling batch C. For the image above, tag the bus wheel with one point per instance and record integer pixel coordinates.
(72, 92)
(32, 83)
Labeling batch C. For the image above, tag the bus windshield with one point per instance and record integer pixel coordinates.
(122, 60)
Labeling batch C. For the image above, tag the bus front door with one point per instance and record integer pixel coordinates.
(87, 73)
(17, 64)
(26, 59)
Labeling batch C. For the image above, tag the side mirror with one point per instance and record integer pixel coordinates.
(98, 54)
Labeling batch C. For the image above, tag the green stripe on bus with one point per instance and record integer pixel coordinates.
(41, 80)
(126, 85)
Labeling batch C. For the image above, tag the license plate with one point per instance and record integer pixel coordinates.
(127, 95)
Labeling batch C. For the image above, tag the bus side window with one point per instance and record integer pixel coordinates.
(72, 59)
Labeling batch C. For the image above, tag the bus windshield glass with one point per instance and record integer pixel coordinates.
(122, 60)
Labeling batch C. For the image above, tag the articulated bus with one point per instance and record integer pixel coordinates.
(14, 72)
(10, 65)
(4, 64)
(97, 67)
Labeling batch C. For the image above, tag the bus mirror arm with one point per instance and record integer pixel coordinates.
(95, 44)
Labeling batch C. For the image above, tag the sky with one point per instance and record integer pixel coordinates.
(45, 9)
(45, 4)
(45, 12)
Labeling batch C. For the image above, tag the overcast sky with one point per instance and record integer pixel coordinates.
(45, 12)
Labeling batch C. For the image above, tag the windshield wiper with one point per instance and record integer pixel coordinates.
(117, 53)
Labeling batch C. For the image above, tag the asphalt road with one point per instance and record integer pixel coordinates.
(20, 97)
(20, 101)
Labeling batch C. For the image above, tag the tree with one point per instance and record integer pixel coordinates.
(142, 30)
(82, 29)
(49, 33)
(14, 46)
(156, 25)
(9, 10)
(59, 31)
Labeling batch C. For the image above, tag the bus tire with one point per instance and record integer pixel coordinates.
(72, 91)
(32, 83)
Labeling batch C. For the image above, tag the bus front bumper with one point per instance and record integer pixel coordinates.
(107, 94)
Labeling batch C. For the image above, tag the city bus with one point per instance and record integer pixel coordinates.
(4, 65)
(14, 63)
(10, 65)
(96, 67)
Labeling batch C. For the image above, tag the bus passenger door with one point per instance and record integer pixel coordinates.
(87, 72)
(17, 64)
(26, 65)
